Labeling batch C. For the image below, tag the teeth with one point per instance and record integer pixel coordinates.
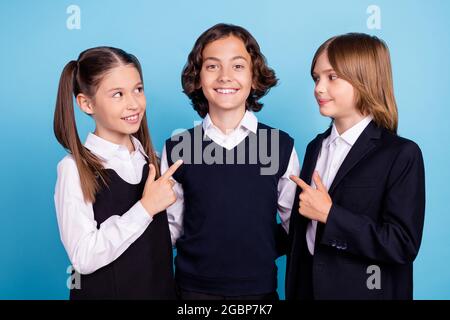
(226, 91)
(131, 118)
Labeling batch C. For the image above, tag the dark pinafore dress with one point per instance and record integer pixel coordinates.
(145, 269)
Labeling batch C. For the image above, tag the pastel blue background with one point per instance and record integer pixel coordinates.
(36, 45)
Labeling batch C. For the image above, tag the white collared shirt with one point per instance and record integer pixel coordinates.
(335, 149)
(249, 123)
(90, 248)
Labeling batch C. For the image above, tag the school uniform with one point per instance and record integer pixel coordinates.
(120, 251)
(374, 229)
(224, 220)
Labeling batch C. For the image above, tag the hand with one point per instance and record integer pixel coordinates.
(159, 194)
(315, 204)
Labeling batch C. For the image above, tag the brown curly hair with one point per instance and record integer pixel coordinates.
(263, 77)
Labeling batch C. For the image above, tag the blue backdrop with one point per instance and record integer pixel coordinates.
(40, 37)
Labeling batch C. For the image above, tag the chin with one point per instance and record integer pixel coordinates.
(228, 107)
(327, 112)
(324, 113)
(131, 130)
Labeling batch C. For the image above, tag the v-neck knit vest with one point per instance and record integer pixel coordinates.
(228, 244)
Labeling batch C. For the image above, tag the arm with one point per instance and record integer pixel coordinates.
(286, 197)
(176, 211)
(90, 248)
(396, 237)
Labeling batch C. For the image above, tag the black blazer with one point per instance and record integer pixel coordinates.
(376, 219)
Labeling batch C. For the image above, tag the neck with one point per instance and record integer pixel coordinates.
(120, 139)
(343, 124)
(226, 120)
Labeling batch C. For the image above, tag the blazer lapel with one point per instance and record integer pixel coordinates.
(311, 158)
(363, 145)
(306, 173)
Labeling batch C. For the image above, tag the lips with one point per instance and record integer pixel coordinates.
(132, 118)
(226, 90)
(322, 102)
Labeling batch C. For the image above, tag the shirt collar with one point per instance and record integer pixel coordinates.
(107, 150)
(350, 135)
(249, 122)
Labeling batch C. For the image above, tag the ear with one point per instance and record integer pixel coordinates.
(85, 104)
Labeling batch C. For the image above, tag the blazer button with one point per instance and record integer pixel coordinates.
(333, 243)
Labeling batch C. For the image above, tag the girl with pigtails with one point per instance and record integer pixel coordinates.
(110, 199)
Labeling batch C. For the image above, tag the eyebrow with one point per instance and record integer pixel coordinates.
(239, 57)
(118, 88)
(324, 71)
(234, 58)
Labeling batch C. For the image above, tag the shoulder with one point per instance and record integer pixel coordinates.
(182, 142)
(282, 134)
(67, 171)
(405, 157)
(67, 164)
(180, 136)
(400, 145)
(318, 139)
(404, 154)
(68, 178)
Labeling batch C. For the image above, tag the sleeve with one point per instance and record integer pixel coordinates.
(287, 189)
(175, 212)
(396, 237)
(286, 197)
(89, 248)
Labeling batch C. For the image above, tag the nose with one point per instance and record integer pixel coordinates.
(224, 75)
(132, 103)
(319, 88)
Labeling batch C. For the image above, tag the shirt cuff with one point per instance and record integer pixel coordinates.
(138, 216)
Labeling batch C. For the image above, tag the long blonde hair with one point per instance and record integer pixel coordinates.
(364, 62)
(84, 76)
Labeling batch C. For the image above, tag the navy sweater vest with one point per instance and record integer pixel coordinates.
(145, 269)
(228, 244)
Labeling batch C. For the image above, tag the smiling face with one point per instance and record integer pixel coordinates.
(118, 105)
(335, 96)
(226, 74)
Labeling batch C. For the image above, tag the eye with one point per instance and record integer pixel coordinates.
(118, 94)
(212, 67)
(315, 79)
(333, 77)
(139, 89)
(239, 66)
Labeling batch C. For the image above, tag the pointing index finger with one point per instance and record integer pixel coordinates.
(302, 184)
(172, 169)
